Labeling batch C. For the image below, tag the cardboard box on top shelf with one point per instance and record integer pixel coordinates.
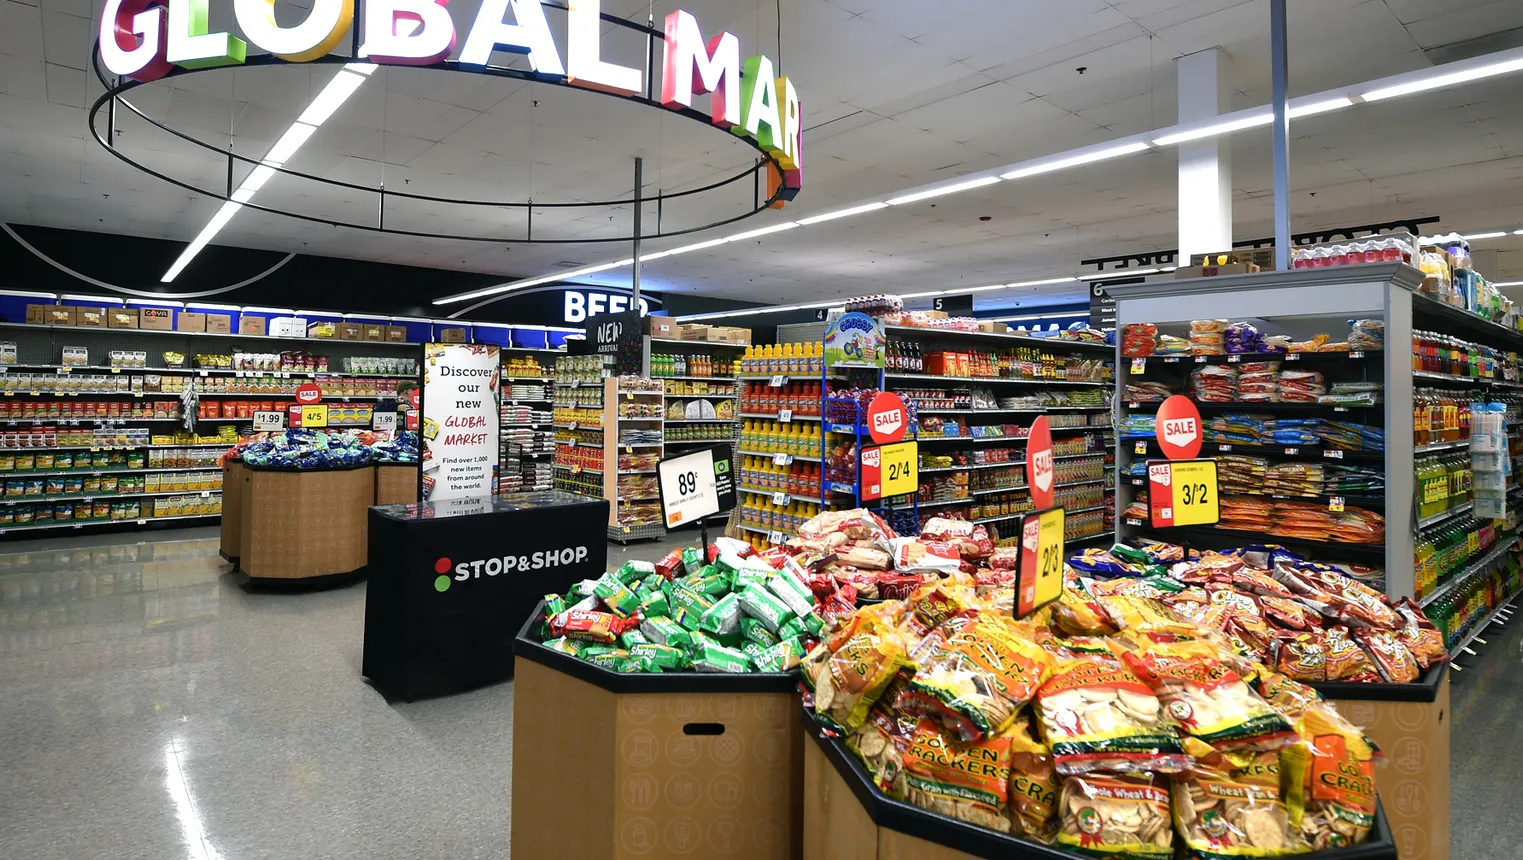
(323, 328)
(60, 315)
(372, 331)
(396, 334)
(219, 323)
(351, 331)
(121, 318)
(452, 335)
(934, 315)
(37, 314)
(730, 334)
(1213, 271)
(693, 331)
(90, 317)
(290, 327)
(992, 327)
(1263, 258)
(251, 325)
(661, 327)
(156, 319)
(191, 321)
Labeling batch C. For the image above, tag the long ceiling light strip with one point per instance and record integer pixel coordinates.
(1449, 74)
(816, 305)
(339, 89)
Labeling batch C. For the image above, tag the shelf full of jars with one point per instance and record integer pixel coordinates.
(976, 394)
(528, 434)
(577, 422)
(700, 400)
(1297, 392)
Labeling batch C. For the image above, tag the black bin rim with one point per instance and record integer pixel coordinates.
(1424, 689)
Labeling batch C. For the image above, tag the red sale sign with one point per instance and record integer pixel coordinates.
(1179, 429)
(295, 413)
(1039, 473)
(308, 394)
(887, 418)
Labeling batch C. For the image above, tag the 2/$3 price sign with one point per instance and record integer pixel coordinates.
(1040, 577)
(1183, 493)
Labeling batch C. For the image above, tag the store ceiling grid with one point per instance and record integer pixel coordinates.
(896, 94)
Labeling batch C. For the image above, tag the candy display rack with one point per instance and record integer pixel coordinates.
(578, 424)
(528, 435)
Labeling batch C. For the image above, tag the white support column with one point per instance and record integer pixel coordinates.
(1205, 166)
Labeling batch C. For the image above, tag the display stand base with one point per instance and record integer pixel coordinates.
(310, 583)
(625, 534)
(678, 771)
(396, 483)
(304, 526)
(235, 487)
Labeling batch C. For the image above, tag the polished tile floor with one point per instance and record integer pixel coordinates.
(149, 708)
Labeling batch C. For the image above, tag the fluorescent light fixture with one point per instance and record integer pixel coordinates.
(69, 298)
(156, 302)
(29, 294)
(409, 319)
(1168, 269)
(1448, 80)
(250, 309)
(1319, 107)
(775, 228)
(533, 282)
(366, 69)
(646, 258)
(212, 228)
(289, 142)
(698, 247)
(944, 190)
(211, 306)
(1116, 273)
(257, 178)
(760, 310)
(333, 96)
(626, 262)
(1517, 232)
(1508, 284)
(1495, 234)
(844, 213)
(1215, 129)
(1076, 160)
(1025, 317)
(1045, 281)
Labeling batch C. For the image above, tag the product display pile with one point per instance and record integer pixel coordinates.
(324, 449)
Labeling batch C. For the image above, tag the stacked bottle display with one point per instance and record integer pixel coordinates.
(1440, 353)
(773, 437)
(1457, 614)
(903, 357)
(761, 474)
(1443, 552)
(1439, 415)
(759, 512)
(1443, 484)
(788, 359)
(803, 398)
(690, 365)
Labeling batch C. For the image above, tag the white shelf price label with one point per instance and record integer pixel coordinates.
(782, 459)
(779, 498)
(1139, 365)
(1335, 504)
(1291, 452)
(1200, 359)
(1234, 359)
(1356, 353)
(776, 537)
(1293, 356)
(785, 416)
(574, 425)
(1334, 454)
(1224, 448)
(777, 381)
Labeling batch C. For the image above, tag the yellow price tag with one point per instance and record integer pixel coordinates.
(314, 416)
(1335, 504)
(1140, 448)
(1139, 365)
(1041, 561)
(1183, 493)
(890, 470)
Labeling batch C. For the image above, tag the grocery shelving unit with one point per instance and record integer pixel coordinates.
(528, 437)
(1036, 369)
(632, 515)
(716, 372)
(578, 383)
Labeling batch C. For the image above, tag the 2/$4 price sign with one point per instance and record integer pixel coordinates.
(1183, 493)
(890, 470)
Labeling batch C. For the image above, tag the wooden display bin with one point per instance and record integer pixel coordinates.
(640, 766)
(304, 526)
(847, 818)
(234, 485)
(1410, 724)
(396, 483)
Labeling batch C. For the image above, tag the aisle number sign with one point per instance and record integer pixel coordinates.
(1183, 493)
(890, 470)
(1040, 579)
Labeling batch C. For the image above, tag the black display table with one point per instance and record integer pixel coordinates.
(451, 583)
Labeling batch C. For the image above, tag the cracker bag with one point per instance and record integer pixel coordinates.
(965, 780)
(1208, 698)
(976, 677)
(1123, 816)
(1096, 715)
(1330, 780)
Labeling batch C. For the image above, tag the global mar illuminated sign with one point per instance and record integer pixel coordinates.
(143, 39)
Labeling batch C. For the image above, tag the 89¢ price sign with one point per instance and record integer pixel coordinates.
(890, 470)
(1183, 493)
(695, 485)
(1041, 564)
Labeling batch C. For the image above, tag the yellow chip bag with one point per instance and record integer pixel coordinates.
(1229, 806)
(969, 781)
(1033, 785)
(977, 677)
(1330, 779)
(1125, 816)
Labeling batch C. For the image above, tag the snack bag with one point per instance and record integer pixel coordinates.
(587, 626)
(616, 596)
(633, 571)
(1419, 635)
(1391, 658)
(1096, 715)
(935, 602)
(884, 738)
(1330, 780)
(1034, 785)
(664, 631)
(710, 656)
(792, 591)
(664, 657)
(1302, 656)
(1076, 614)
(782, 657)
(976, 678)
(763, 607)
(1346, 661)
(848, 681)
(1208, 698)
(965, 780)
(1290, 698)
(1229, 805)
(1117, 816)
(755, 631)
(923, 554)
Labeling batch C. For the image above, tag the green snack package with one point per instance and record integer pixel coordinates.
(652, 596)
(689, 606)
(633, 571)
(723, 618)
(710, 580)
(752, 649)
(749, 576)
(1130, 555)
(632, 638)
(616, 596)
(603, 655)
(555, 605)
(565, 646)
(713, 657)
(581, 590)
(692, 560)
(664, 631)
(759, 603)
(664, 657)
(794, 594)
(802, 626)
(754, 630)
(780, 657)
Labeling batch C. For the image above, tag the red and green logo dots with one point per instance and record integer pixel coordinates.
(442, 567)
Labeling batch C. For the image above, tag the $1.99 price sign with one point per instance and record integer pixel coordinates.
(1041, 563)
(1183, 493)
(890, 470)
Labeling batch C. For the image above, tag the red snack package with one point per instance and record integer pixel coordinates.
(773, 556)
(1302, 656)
(1346, 661)
(1288, 613)
(1391, 658)
(1419, 635)
(897, 586)
(670, 564)
(590, 626)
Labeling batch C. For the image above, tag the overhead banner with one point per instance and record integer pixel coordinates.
(855, 340)
(461, 405)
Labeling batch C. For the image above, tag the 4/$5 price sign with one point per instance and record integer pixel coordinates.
(1183, 493)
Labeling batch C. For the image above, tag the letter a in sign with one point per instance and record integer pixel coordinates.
(1178, 428)
(1039, 463)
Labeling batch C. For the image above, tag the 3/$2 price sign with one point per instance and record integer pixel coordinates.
(890, 470)
(1183, 493)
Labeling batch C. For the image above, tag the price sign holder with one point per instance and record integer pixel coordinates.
(695, 486)
(1183, 493)
(314, 416)
(890, 470)
(1040, 575)
(269, 421)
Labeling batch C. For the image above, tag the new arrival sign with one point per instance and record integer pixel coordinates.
(460, 405)
(143, 39)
